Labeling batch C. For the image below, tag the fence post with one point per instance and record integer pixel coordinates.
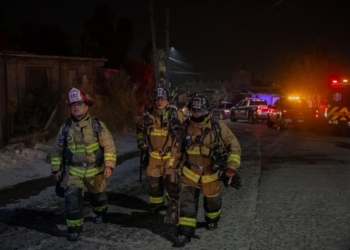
(1, 136)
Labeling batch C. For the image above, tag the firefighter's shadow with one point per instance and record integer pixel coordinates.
(144, 220)
(42, 221)
(139, 219)
(127, 201)
(343, 145)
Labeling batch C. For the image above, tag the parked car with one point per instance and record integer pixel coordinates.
(291, 112)
(249, 109)
(223, 110)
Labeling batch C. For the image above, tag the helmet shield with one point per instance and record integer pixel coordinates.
(76, 95)
(161, 93)
(199, 103)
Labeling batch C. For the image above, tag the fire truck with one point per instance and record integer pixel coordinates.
(338, 106)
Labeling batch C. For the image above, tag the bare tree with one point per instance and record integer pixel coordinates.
(218, 96)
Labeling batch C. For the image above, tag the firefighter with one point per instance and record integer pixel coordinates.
(84, 155)
(202, 142)
(155, 132)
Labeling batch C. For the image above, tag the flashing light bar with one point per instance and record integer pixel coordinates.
(336, 81)
(293, 97)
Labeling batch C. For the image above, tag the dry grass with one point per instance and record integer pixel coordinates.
(31, 115)
(116, 106)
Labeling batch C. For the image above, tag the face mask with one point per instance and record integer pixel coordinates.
(201, 112)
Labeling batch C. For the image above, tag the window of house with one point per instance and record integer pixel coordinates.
(38, 80)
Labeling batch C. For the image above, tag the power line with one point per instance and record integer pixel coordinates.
(250, 22)
(182, 73)
(288, 7)
(182, 63)
(246, 28)
(219, 14)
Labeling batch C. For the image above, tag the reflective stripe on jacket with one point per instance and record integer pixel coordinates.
(157, 131)
(84, 151)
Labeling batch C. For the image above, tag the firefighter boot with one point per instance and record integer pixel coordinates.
(73, 236)
(156, 208)
(182, 240)
(73, 233)
(99, 219)
(211, 226)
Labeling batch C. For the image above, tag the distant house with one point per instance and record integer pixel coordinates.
(200, 86)
(22, 73)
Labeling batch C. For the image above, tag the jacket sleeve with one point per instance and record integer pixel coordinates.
(232, 146)
(139, 130)
(57, 154)
(107, 143)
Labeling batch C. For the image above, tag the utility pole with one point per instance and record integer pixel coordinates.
(155, 52)
(196, 72)
(263, 75)
(1, 15)
(167, 49)
(85, 44)
(7, 112)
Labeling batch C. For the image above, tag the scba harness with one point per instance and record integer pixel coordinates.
(64, 138)
(169, 120)
(63, 142)
(218, 152)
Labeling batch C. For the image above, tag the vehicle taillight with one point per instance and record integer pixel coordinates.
(258, 109)
(226, 110)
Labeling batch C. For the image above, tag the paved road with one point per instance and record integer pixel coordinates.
(294, 196)
(303, 198)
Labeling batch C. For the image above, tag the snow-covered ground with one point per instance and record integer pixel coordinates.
(20, 165)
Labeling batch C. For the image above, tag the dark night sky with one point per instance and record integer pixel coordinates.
(217, 36)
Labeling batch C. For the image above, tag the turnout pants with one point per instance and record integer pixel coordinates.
(155, 173)
(189, 198)
(96, 186)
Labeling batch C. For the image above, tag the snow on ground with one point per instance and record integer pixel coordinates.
(29, 164)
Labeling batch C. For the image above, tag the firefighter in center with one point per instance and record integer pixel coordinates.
(200, 145)
(155, 132)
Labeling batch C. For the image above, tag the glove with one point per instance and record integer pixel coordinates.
(141, 145)
(234, 181)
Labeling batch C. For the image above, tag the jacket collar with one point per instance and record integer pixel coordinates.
(85, 118)
(202, 124)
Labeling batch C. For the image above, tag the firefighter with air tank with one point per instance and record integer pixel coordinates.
(208, 155)
(84, 155)
(155, 134)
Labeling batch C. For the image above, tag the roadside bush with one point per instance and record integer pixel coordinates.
(116, 107)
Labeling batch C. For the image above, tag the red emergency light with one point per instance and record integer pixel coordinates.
(339, 81)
